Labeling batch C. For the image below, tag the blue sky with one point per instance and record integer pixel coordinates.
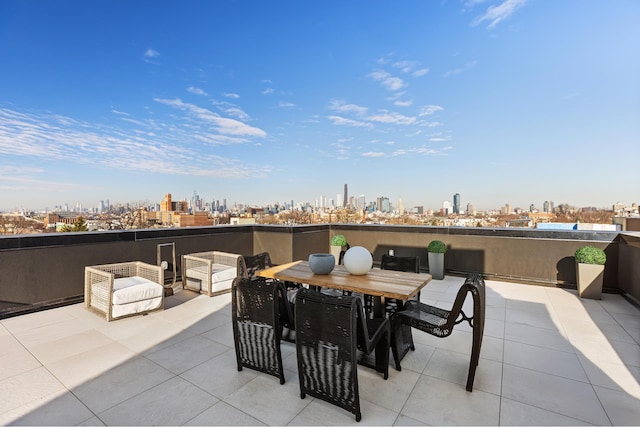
(256, 102)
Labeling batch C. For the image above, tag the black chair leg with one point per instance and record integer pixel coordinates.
(382, 356)
(475, 357)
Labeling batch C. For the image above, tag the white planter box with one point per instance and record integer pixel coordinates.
(589, 278)
(436, 265)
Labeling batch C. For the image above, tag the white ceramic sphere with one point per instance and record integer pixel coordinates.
(358, 260)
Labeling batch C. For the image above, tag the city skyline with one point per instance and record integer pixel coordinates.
(503, 101)
(197, 202)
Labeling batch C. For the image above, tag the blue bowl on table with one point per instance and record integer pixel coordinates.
(322, 263)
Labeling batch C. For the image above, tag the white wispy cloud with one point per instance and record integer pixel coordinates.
(197, 91)
(150, 55)
(424, 151)
(121, 113)
(428, 110)
(232, 110)
(18, 181)
(459, 70)
(343, 107)
(158, 148)
(285, 104)
(421, 72)
(430, 124)
(407, 103)
(387, 80)
(238, 113)
(231, 95)
(268, 91)
(223, 125)
(405, 66)
(342, 121)
(395, 118)
(373, 154)
(497, 13)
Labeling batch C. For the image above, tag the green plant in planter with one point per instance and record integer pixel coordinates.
(436, 246)
(590, 271)
(338, 240)
(436, 250)
(339, 247)
(590, 255)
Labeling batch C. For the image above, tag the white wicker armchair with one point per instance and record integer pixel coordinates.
(123, 289)
(212, 272)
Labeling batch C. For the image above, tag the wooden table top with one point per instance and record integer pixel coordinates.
(382, 283)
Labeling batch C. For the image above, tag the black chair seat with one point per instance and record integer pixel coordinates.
(440, 323)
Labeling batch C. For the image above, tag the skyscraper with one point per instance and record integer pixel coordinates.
(456, 203)
(346, 197)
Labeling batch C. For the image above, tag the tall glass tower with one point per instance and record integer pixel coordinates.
(456, 203)
(345, 200)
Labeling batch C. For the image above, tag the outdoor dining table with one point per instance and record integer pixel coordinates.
(378, 283)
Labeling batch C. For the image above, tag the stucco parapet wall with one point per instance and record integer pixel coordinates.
(65, 239)
(526, 233)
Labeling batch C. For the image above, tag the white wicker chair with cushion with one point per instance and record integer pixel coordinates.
(123, 289)
(212, 272)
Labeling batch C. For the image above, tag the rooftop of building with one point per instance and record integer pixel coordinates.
(548, 358)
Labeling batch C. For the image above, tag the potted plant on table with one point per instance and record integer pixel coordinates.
(339, 246)
(436, 251)
(590, 271)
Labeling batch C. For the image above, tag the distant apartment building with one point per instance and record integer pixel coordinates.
(58, 219)
(471, 210)
(446, 208)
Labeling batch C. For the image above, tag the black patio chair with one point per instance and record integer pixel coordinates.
(440, 323)
(257, 331)
(257, 262)
(329, 332)
(398, 263)
(262, 261)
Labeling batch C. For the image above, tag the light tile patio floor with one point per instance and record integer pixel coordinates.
(548, 358)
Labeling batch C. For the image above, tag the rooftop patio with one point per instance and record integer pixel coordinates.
(548, 358)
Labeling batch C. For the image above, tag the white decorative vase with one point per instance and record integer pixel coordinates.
(589, 278)
(358, 260)
(436, 265)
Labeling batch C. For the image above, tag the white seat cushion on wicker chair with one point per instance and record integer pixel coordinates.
(132, 289)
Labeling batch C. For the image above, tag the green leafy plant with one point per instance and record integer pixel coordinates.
(338, 240)
(590, 255)
(437, 246)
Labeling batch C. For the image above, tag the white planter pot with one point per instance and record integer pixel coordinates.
(589, 278)
(335, 251)
(436, 265)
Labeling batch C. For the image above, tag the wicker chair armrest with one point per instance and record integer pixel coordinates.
(98, 278)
